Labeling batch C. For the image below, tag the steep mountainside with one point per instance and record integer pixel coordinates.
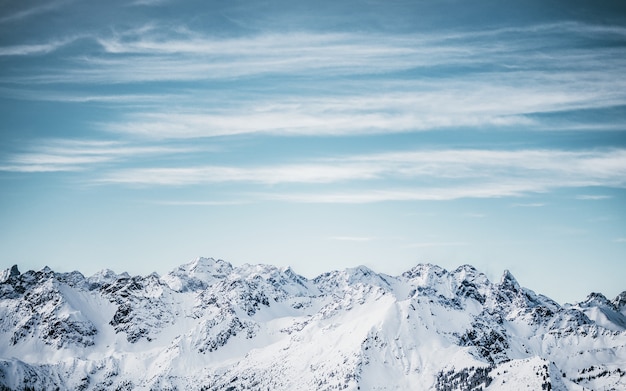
(210, 326)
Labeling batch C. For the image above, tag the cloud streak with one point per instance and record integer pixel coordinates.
(36, 10)
(77, 155)
(346, 83)
(501, 101)
(35, 49)
(271, 175)
(337, 84)
(589, 197)
(162, 53)
(466, 191)
(406, 176)
(127, 100)
(586, 167)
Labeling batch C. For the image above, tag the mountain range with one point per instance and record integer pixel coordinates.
(208, 325)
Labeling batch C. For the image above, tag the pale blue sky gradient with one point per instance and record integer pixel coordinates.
(322, 135)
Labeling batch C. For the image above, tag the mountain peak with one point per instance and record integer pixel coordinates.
(197, 274)
(509, 281)
(8, 273)
(262, 326)
(360, 270)
(620, 301)
(200, 262)
(469, 273)
(466, 268)
(423, 270)
(597, 299)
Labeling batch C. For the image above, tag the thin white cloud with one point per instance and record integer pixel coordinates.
(584, 166)
(491, 190)
(46, 6)
(521, 80)
(35, 49)
(352, 115)
(588, 197)
(496, 100)
(76, 155)
(469, 173)
(529, 205)
(128, 100)
(151, 39)
(303, 173)
(149, 2)
(304, 120)
(208, 58)
(159, 53)
(620, 240)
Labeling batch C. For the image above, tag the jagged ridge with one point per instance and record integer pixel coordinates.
(209, 325)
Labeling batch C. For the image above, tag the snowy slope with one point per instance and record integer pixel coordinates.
(207, 325)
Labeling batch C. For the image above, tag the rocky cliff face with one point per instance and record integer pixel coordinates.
(210, 326)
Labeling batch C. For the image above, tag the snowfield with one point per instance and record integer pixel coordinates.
(207, 325)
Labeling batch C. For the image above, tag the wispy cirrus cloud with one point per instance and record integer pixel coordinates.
(407, 194)
(585, 168)
(406, 176)
(195, 57)
(36, 48)
(350, 116)
(163, 53)
(151, 39)
(127, 100)
(494, 78)
(593, 197)
(297, 173)
(58, 155)
(148, 2)
(502, 101)
(35, 10)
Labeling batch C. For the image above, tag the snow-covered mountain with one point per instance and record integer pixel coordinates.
(208, 325)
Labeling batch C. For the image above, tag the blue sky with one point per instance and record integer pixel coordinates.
(321, 135)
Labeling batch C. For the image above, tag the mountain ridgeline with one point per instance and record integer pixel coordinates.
(207, 325)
